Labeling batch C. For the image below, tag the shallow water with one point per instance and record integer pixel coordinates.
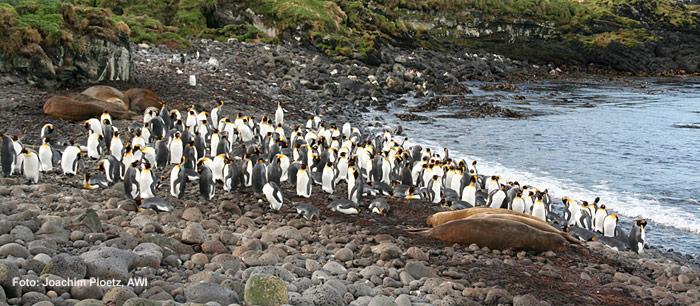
(636, 147)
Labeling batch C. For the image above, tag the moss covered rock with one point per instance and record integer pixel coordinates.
(265, 290)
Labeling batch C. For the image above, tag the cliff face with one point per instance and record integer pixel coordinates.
(51, 43)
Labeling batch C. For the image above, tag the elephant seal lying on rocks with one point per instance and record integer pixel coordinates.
(498, 229)
(499, 234)
(82, 107)
(93, 101)
(140, 99)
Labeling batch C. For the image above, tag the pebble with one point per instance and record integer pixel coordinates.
(343, 254)
(194, 233)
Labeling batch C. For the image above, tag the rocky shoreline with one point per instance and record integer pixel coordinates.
(225, 250)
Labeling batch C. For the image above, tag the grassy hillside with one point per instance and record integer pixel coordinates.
(357, 28)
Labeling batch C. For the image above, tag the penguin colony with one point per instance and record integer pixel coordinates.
(217, 153)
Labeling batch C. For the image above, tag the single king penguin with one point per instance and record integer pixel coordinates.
(30, 165)
(259, 176)
(148, 181)
(69, 160)
(178, 181)
(7, 155)
(131, 183)
(637, 236)
(303, 182)
(308, 211)
(328, 178)
(273, 194)
(206, 182)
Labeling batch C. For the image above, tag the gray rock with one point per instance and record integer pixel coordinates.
(227, 262)
(15, 250)
(31, 298)
(108, 262)
(343, 254)
(335, 268)
(207, 292)
(382, 300)
(141, 302)
(88, 302)
(323, 295)
(360, 289)
(498, 296)
(370, 271)
(148, 254)
(192, 214)
(66, 266)
(417, 254)
(386, 250)
(53, 229)
(84, 290)
(525, 300)
(194, 233)
(22, 232)
(87, 222)
(419, 270)
(403, 300)
(9, 271)
(53, 282)
(118, 295)
(288, 232)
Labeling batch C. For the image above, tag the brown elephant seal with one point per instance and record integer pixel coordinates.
(446, 216)
(108, 94)
(82, 107)
(497, 233)
(140, 99)
(528, 220)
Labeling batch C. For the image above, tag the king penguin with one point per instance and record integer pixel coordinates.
(599, 219)
(497, 198)
(273, 194)
(7, 155)
(539, 210)
(45, 156)
(469, 192)
(259, 176)
(176, 148)
(206, 182)
(328, 178)
(637, 236)
(69, 160)
(131, 182)
(303, 182)
(30, 165)
(308, 211)
(148, 181)
(178, 181)
(609, 226)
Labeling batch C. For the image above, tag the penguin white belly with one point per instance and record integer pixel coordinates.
(303, 184)
(69, 160)
(145, 180)
(518, 205)
(497, 199)
(93, 146)
(30, 167)
(348, 210)
(469, 195)
(214, 145)
(327, 180)
(217, 170)
(45, 158)
(455, 184)
(539, 212)
(176, 151)
(174, 174)
(528, 204)
(116, 147)
(386, 170)
(437, 196)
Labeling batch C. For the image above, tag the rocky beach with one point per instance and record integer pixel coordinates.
(63, 245)
(234, 250)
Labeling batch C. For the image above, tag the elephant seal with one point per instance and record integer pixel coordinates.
(497, 233)
(107, 94)
(533, 222)
(82, 107)
(446, 216)
(140, 99)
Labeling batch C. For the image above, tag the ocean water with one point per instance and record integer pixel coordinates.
(637, 147)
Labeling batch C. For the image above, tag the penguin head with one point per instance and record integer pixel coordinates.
(116, 134)
(147, 166)
(641, 222)
(474, 163)
(220, 102)
(302, 167)
(100, 137)
(24, 151)
(86, 124)
(435, 177)
(597, 199)
(519, 194)
(101, 166)
(602, 206)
